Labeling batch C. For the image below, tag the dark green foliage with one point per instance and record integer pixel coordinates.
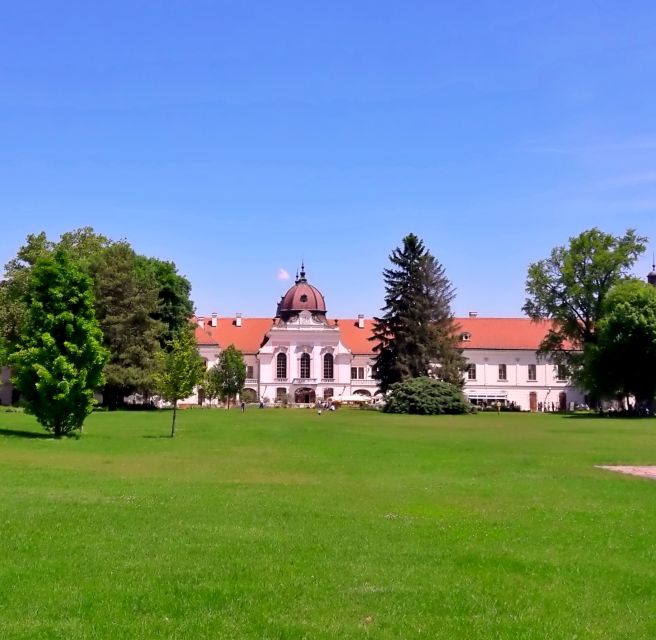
(58, 359)
(416, 336)
(13, 292)
(570, 287)
(426, 396)
(179, 369)
(174, 305)
(231, 373)
(622, 362)
(126, 300)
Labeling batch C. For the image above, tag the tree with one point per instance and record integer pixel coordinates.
(570, 288)
(416, 336)
(81, 245)
(231, 372)
(179, 370)
(621, 362)
(126, 300)
(13, 292)
(212, 383)
(174, 305)
(59, 358)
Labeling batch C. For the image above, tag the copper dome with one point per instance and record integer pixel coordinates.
(301, 297)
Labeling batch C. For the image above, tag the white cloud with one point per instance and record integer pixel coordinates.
(282, 274)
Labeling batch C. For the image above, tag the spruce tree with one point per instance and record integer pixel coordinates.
(416, 335)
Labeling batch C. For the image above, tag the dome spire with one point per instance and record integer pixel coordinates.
(651, 277)
(302, 278)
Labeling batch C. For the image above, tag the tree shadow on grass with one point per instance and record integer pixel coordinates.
(33, 435)
(157, 437)
(606, 416)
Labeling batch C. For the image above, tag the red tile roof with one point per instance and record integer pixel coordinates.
(502, 333)
(355, 339)
(248, 338)
(485, 333)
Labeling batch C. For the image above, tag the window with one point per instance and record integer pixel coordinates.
(471, 371)
(465, 337)
(357, 373)
(304, 298)
(328, 368)
(532, 372)
(328, 393)
(281, 366)
(503, 374)
(561, 372)
(249, 371)
(281, 394)
(305, 365)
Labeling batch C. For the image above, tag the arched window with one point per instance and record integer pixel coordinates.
(328, 368)
(281, 366)
(305, 365)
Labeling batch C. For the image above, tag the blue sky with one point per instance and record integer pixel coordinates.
(236, 138)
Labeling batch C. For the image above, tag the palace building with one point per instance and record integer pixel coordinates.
(303, 356)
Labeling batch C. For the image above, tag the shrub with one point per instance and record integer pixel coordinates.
(426, 396)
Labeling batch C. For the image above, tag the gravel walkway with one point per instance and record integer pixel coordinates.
(643, 472)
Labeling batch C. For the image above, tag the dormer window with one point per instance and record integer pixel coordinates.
(304, 298)
(465, 337)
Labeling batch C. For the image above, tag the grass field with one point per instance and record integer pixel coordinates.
(285, 524)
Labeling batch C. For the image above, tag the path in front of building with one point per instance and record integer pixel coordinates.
(643, 472)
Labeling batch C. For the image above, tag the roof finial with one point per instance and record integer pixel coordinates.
(302, 269)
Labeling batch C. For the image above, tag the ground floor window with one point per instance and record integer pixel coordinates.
(328, 393)
(281, 394)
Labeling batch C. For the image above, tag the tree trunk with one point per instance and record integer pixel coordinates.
(58, 430)
(175, 411)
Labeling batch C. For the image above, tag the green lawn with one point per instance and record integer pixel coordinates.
(285, 524)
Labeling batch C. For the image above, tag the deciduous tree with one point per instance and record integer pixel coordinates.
(570, 286)
(622, 361)
(58, 359)
(212, 383)
(231, 372)
(174, 305)
(126, 300)
(179, 370)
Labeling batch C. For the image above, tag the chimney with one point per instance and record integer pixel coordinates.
(238, 320)
(473, 314)
(214, 317)
(360, 321)
(200, 322)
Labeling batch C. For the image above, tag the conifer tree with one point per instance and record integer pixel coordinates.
(416, 335)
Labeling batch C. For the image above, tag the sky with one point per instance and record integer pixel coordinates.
(239, 138)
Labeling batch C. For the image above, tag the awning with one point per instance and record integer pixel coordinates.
(354, 398)
(487, 395)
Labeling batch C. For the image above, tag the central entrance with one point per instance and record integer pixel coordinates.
(305, 395)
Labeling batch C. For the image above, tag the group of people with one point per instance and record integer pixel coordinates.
(326, 405)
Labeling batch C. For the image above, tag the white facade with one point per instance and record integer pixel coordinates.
(514, 376)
